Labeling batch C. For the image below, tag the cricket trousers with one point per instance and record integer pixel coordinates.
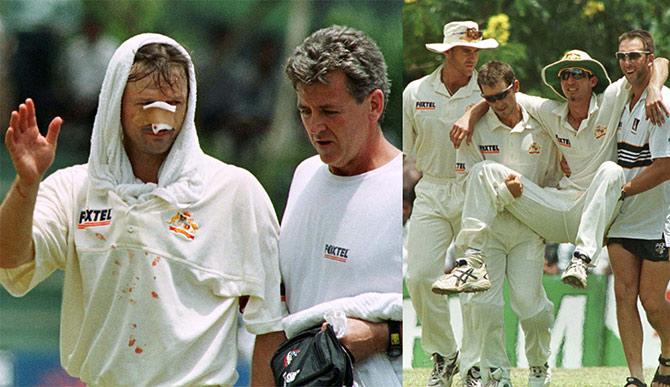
(435, 221)
(573, 216)
(514, 252)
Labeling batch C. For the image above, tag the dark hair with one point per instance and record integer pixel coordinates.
(493, 72)
(345, 49)
(644, 36)
(157, 60)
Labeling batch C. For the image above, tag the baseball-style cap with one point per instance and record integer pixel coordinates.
(575, 58)
(461, 33)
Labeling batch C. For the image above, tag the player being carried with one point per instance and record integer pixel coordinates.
(585, 203)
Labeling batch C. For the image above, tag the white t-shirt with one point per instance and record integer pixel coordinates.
(150, 296)
(639, 142)
(341, 236)
(429, 112)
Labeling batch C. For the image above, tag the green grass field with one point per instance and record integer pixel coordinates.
(561, 377)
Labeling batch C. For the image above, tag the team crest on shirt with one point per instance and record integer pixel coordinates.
(182, 225)
(426, 105)
(601, 131)
(534, 149)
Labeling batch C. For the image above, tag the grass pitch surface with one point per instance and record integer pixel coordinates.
(560, 377)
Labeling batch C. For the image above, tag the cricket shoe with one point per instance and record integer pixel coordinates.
(443, 371)
(499, 377)
(473, 378)
(464, 278)
(575, 274)
(539, 376)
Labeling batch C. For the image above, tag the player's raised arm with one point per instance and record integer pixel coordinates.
(31, 154)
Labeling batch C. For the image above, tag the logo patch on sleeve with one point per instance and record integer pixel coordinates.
(182, 225)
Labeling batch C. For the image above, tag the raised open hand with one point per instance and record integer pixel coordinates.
(31, 153)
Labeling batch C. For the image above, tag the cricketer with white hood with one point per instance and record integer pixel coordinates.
(161, 244)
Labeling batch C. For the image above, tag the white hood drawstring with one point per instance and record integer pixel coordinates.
(179, 178)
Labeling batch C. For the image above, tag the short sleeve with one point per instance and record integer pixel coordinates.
(50, 234)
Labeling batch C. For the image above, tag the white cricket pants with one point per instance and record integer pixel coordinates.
(435, 221)
(577, 217)
(514, 252)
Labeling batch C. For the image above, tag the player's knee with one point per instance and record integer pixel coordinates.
(653, 304)
(611, 171)
(626, 292)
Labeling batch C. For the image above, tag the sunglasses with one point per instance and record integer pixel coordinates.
(630, 55)
(576, 72)
(499, 96)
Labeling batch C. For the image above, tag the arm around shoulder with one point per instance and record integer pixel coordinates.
(656, 110)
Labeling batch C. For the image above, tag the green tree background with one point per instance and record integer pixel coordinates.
(533, 33)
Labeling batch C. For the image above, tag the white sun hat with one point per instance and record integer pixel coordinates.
(461, 33)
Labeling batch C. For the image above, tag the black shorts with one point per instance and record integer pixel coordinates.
(649, 249)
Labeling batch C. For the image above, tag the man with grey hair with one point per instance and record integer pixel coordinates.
(341, 234)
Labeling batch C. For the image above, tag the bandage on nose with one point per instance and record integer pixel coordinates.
(161, 115)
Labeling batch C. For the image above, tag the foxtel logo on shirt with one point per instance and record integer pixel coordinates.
(489, 149)
(564, 142)
(534, 149)
(94, 218)
(335, 253)
(426, 105)
(460, 167)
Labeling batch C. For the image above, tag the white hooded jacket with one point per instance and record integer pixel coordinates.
(179, 179)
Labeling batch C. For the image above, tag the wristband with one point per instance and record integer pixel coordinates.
(395, 343)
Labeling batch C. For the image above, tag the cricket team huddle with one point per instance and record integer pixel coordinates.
(503, 172)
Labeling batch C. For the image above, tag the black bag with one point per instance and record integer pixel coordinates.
(313, 358)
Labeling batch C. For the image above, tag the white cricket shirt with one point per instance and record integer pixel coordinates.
(429, 112)
(151, 292)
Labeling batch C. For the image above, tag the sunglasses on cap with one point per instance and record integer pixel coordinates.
(630, 55)
(576, 72)
(499, 96)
